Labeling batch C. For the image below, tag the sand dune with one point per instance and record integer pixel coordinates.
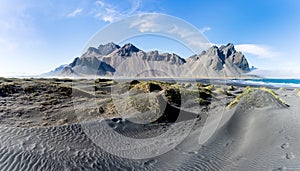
(253, 138)
(259, 133)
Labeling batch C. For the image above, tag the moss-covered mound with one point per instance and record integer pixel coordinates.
(177, 95)
(146, 86)
(222, 91)
(9, 88)
(230, 88)
(247, 95)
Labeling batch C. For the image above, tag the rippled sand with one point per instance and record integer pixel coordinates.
(259, 133)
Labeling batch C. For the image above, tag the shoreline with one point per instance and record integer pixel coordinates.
(242, 81)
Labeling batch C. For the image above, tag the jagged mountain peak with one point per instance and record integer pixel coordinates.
(110, 44)
(89, 66)
(228, 50)
(224, 58)
(214, 50)
(111, 58)
(127, 50)
(108, 48)
(171, 58)
(102, 50)
(92, 51)
(131, 47)
(228, 46)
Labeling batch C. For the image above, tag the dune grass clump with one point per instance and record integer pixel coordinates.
(173, 95)
(222, 91)
(297, 91)
(8, 88)
(273, 94)
(147, 86)
(282, 89)
(187, 85)
(230, 88)
(201, 84)
(142, 86)
(102, 80)
(176, 95)
(210, 87)
(203, 96)
(248, 90)
(65, 90)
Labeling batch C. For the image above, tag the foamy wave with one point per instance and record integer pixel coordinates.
(266, 83)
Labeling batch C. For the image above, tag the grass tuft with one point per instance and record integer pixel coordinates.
(248, 90)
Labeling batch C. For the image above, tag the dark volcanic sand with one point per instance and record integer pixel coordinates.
(62, 124)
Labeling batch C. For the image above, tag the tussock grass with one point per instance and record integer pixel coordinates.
(248, 90)
(147, 86)
(222, 91)
(282, 89)
(230, 88)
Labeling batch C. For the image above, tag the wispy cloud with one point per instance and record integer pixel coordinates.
(75, 12)
(205, 29)
(173, 27)
(100, 3)
(261, 51)
(110, 13)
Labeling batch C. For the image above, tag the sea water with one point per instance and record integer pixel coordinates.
(273, 82)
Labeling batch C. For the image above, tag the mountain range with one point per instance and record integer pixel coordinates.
(129, 61)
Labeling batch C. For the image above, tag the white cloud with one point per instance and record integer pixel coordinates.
(110, 13)
(148, 24)
(205, 29)
(100, 3)
(261, 51)
(75, 12)
(175, 28)
(152, 23)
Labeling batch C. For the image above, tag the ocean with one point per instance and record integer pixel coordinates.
(269, 82)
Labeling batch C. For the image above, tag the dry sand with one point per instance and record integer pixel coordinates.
(259, 133)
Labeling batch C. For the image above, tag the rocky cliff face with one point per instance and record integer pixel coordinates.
(218, 62)
(90, 66)
(165, 57)
(107, 48)
(235, 57)
(128, 60)
(101, 51)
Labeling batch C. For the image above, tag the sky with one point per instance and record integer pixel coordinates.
(38, 36)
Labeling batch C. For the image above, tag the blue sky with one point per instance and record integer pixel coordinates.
(37, 36)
